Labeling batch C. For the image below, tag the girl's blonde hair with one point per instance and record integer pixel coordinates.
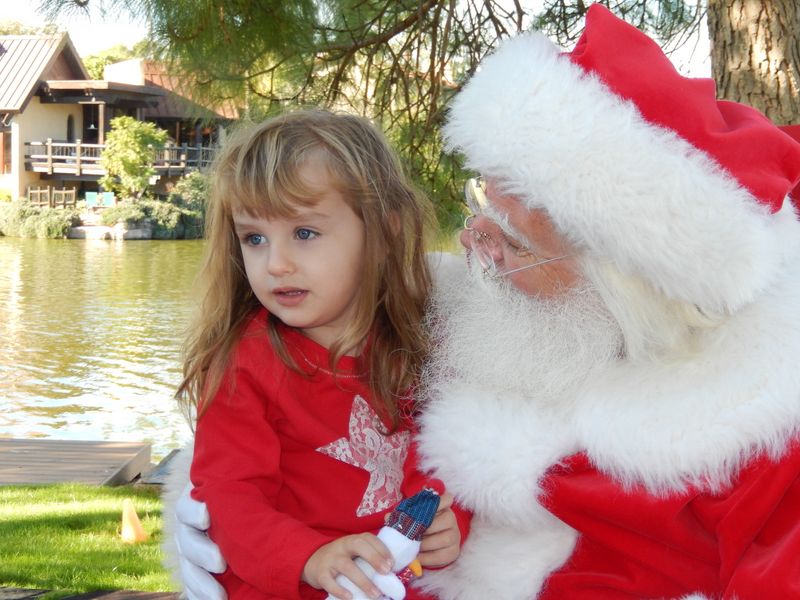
(257, 171)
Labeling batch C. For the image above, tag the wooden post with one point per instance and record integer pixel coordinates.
(49, 145)
(183, 158)
(78, 152)
(101, 123)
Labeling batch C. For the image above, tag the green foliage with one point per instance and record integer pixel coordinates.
(125, 212)
(665, 19)
(95, 63)
(191, 191)
(66, 538)
(166, 219)
(129, 154)
(396, 61)
(20, 219)
(10, 27)
(180, 216)
(190, 194)
(5, 195)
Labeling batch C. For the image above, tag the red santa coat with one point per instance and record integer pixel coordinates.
(743, 542)
(288, 463)
(659, 481)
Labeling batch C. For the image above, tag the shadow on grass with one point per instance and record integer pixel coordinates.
(67, 538)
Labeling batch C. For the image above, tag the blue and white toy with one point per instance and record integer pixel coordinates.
(402, 535)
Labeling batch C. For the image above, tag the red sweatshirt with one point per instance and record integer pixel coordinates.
(287, 463)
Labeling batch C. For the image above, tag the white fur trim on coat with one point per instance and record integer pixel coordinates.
(694, 419)
(616, 185)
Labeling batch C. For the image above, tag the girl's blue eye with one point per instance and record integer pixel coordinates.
(255, 239)
(305, 234)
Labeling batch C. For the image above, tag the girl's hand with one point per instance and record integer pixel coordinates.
(338, 556)
(441, 542)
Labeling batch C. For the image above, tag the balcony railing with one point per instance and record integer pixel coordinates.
(79, 159)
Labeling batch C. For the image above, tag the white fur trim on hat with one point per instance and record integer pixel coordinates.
(615, 184)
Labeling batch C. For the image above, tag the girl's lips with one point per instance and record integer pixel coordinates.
(289, 296)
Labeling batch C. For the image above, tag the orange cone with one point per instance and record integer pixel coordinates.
(132, 530)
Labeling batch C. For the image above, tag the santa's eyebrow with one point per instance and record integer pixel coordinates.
(502, 221)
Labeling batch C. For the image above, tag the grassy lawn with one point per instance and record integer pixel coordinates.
(66, 538)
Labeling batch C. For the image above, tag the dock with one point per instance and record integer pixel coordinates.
(42, 461)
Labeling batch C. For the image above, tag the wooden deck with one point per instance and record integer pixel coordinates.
(77, 158)
(38, 461)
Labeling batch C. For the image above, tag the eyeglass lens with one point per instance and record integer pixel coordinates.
(483, 246)
(475, 195)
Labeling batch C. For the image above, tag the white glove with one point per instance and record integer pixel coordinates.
(198, 555)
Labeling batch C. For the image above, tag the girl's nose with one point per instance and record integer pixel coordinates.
(279, 262)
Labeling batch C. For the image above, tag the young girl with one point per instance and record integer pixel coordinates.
(300, 363)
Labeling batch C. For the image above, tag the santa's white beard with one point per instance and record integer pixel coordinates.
(488, 333)
(500, 387)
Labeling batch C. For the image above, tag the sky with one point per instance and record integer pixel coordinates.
(89, 34)
(93, 33)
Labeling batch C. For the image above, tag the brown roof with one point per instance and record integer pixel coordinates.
(90, 87)
(27, 60)
(180, 101)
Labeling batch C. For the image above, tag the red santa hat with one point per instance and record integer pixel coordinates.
(635, 163)
(794, 132)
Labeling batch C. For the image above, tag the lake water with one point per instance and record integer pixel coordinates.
(91, 336)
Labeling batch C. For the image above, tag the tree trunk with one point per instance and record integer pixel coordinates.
(755, 56)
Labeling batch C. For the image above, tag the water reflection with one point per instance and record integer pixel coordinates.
(91, 334)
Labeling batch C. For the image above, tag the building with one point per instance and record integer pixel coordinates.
(54, 118)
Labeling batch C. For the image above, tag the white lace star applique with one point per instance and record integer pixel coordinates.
(380, 455)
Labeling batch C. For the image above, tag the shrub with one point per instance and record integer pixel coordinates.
(166, 219)
(191, 191)
(13, 214)
(129, 154)
(170, 220)
(49, 223)
(20, 219)
(127, 212)
(191, 195)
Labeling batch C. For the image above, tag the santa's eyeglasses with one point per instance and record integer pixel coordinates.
(485, 248)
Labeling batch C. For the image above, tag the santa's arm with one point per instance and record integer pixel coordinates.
(759, 538)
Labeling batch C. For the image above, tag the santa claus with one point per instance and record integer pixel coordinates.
(614, 392)
(627, 427)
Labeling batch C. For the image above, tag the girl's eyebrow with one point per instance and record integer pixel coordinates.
(245, 221)
(301, 215)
